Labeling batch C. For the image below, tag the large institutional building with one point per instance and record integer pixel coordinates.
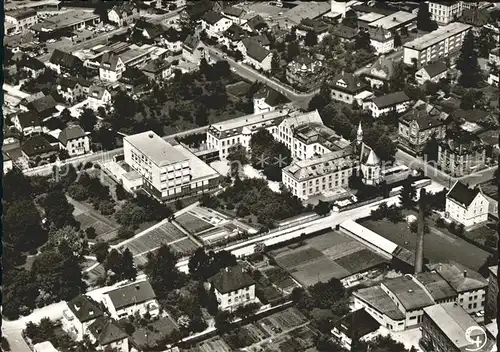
(165, 171)
(323, 161)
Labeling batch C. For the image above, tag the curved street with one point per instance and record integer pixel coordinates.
(301, 99)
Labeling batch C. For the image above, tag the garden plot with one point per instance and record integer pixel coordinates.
(192, 223)
(215, 344)
(321, 258)
(184, 247)
(87, 220)
(165, 234)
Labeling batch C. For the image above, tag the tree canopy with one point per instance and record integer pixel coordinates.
(467, 63)
(162, 272)
(424, 22)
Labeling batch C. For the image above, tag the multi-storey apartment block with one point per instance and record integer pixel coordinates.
(435, 45)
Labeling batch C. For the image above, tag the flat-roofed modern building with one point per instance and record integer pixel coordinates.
(168, 172)
(445, 328)
(67, 21)
(435, 45)
(20, 21)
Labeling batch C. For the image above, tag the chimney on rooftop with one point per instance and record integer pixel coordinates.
(419, 251)
(227, 269)
(465, 273)
(150, 135)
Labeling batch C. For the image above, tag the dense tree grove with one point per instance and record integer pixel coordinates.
(253, 196)
(424, 21)
(467, 63)
(269, 155)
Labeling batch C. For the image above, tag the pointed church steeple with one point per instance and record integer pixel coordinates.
(359, 137)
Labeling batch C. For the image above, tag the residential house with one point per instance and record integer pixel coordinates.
(494, 57)
(74, 140)
(304, 71)
(62, 62)
(255, 24)
(158, 69)
(267, 99)
(380, 72)
(355, 325)
(73, 89)
(108, 335)
(23, 104)
(149, 31)
(193, 50)
(136, 298)
(37, 149)
(397, 102)
(98, 96)
(235, 14)
(319, 28)
(469, 285)
(233, 35)
(111, 67)
(262, 40)
(346, 88)
(462, 154)
(133, 80)
(381, 39)
(80, 312)
(7, 162)
(44, 106)
(490, 311)
(214, 23)
(32, 66)
(446, 326)
(345, 33)
(123, 14)
(20, 21)
(418, 125)
(444, 12)
(27, 123)
(233, 288)
(255, 54)
(434, 72)
(467, 206)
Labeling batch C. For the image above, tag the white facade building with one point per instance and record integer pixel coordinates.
(445, 12)
(137, 298)
(74, 140)
(20, 21)
(80, 313)
(214, 23)
(233, 288)
(111, 68)
(467, 206)
(383, 105)
(164, 169)
(435, 45)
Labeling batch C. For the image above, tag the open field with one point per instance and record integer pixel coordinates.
(164, 234)
(438, 245)
(331, 255)
(193, 224)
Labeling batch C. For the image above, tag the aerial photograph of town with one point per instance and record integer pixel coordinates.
(258, 176)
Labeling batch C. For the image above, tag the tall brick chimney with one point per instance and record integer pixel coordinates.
(419, 250)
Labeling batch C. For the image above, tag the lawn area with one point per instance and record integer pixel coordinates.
(439, 245)
(154, 332)
(192, 224)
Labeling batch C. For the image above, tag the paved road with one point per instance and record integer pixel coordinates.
(301, 99)
(395, 56)
(87, 44)
(441, 177)
(98, 156)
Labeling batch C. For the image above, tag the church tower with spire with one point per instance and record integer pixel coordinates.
(359, 137)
